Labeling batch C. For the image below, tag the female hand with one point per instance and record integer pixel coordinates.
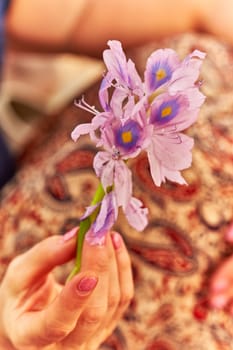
(36, 312)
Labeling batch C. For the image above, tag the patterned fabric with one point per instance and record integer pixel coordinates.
(175, 256)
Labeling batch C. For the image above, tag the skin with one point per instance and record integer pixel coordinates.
(87, 30)
(221, 285)
(37, 313)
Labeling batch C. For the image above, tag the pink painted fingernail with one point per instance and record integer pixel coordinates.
(87, 284)
(69, 235)
(116, 240)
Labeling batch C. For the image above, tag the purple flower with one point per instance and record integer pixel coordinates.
(169, 151)
(120, 70)
(140, 116)
(165, 71)
(159, 69)
(107, 216)
(105, 219)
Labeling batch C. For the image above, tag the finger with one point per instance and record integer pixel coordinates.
(26, 269)
(221, 284)
(229, 234)
(125, 281)
(125, 276)
(223, 276)
(98, 259)
(223, 300)
(114, 294)
(59, 319)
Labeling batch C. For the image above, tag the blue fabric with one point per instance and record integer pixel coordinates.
(3, 8)
(7, 160)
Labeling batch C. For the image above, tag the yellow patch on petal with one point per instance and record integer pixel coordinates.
(160, 74)
(127, 136)
(154, 95)
(166, 112)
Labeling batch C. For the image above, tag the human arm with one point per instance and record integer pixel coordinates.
(86, 25)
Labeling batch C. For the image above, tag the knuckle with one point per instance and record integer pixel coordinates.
(102, 264)
(93, 316)
(126, 299)
(113, 300)
(54, 332)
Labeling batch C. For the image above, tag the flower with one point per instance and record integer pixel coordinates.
(121, 71)
(137, 116)
(105, 219)
(107, 216)
(164, 70)
(169, 151)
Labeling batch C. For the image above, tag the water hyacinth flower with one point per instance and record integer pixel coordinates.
(138, 115)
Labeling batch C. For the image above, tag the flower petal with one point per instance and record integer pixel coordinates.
(134, 80)
(136, 214)
(173, 150)
(167, 156)
(121, 70)
(155, 166)
(159, 68)
(115, 61)
(179, 110)
(187, 74)
(104, 221)
(103, 92)
(174, 176)
(89, 211)
(104, 168)
(81, 129)
(166, 109)
(122, 183)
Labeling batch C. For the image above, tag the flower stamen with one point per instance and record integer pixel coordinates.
(86, 107)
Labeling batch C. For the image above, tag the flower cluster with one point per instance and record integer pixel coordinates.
(140, 115)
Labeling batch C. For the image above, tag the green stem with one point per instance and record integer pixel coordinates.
(83, 228)
(99, 195)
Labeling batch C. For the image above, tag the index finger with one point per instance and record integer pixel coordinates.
(28, 268)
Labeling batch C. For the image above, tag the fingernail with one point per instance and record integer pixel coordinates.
(69, 235)
(116, 240)
(219, 301)
(87, 284)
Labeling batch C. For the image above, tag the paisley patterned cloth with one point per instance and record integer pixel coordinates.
(175, 256)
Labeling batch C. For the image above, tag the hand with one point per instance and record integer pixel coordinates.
(221, 288)
(39, 313)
